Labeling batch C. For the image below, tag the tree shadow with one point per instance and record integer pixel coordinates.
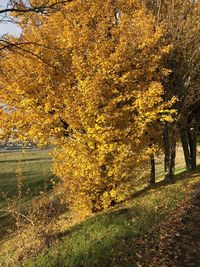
(178, 177)
(110, 214)
(110, 238)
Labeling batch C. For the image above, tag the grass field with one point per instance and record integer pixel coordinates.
(106, 239)
(180, 163)
(36, 171)
(115, 238)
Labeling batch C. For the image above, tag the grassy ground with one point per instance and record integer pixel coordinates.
(117, 237)
(36, 169)
(180, 163)
(112, 238)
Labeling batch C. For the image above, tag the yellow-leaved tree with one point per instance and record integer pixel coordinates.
(87, 79)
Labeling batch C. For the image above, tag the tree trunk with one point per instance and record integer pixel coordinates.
(173, 153)
(153, 170)
(166, 142)
(186, 151)
(170, 152)
(193, 147)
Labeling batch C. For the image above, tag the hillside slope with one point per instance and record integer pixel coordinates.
(126, 235)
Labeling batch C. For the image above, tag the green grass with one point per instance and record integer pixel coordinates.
(110, 238)
(36, 170)
(160, 174)
(107, 239)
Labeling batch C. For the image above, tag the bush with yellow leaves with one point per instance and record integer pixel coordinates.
(94, 91)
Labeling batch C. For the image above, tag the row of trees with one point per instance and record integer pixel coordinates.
(109, 83)
(182, 30)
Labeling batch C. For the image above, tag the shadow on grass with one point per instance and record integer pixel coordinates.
(178, 177)
(104, 240)
(113, 238)
(109, 215)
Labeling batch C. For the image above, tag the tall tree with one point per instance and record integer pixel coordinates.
(94, 91)
(16, 11)
(182, 31)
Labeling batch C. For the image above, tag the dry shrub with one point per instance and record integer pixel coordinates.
(33, 223)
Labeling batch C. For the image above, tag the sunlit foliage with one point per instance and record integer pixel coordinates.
(88, 79)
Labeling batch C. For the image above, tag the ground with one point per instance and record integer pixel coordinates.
(186, 243)
(181, 245)
(155, 227)
(35, 166)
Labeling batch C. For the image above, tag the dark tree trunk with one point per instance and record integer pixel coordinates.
(170, 151)
(186, 151)
(189, 139)
(153, 170)
(173, 153)
(166, 142)
(193, 147)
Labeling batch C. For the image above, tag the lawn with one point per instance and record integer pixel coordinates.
(111, 238)
(117, 237)
(36, 171)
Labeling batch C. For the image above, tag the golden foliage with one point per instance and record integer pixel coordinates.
(88, 79)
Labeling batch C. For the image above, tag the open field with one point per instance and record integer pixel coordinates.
(35, 166)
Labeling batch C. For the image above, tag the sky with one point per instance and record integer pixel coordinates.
(7, 28)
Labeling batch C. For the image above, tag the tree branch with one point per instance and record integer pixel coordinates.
(37, 9)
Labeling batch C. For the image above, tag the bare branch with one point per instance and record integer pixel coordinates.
(43, 8)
